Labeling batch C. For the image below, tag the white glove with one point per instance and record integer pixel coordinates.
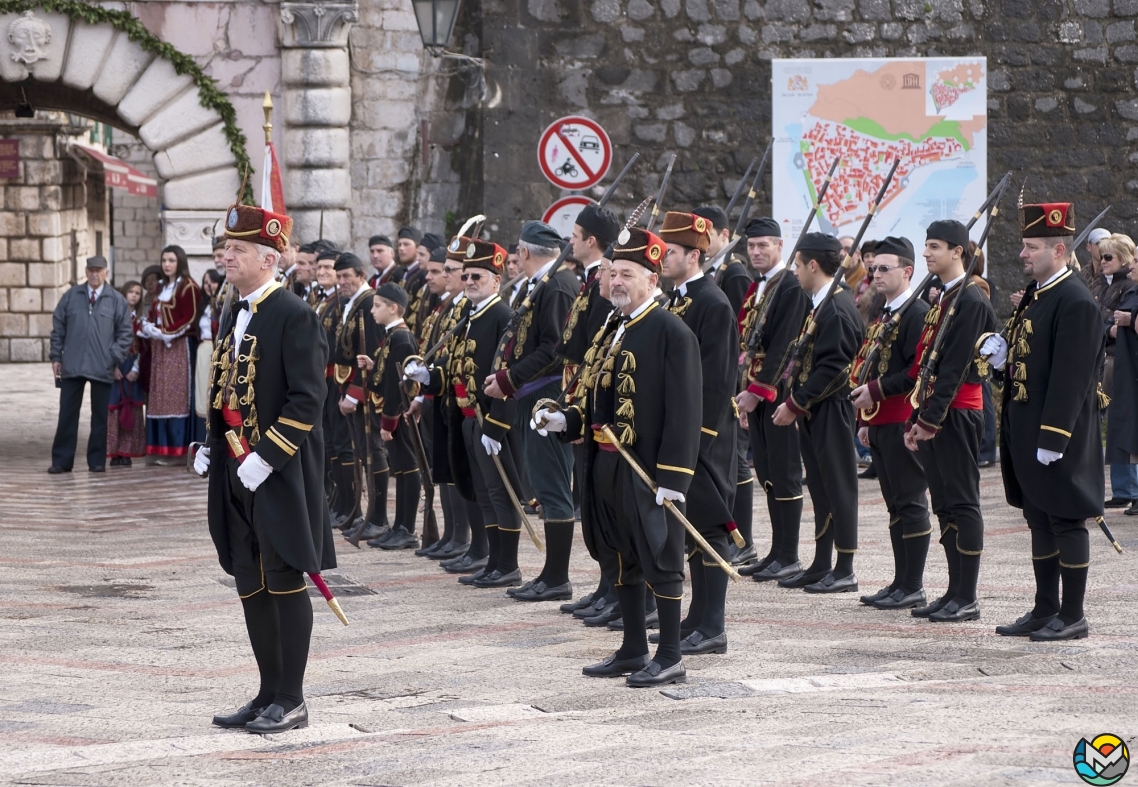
(492, 446)
(253, 472)
(201, 461)
(995, 349)
(663, 494)
(150, 330)
(545, 422)
(417, 372)
(1045, 457)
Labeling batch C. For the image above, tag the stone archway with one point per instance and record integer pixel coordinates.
(53, 61)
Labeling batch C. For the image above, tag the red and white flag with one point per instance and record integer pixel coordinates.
(272, 190)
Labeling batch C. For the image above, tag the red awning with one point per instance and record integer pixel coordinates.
(119, 174)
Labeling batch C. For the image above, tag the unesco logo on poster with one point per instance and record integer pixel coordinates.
(1101, 761)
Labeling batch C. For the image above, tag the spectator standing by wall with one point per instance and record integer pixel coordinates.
(90, 337)
(126, 422)
(1120, 376)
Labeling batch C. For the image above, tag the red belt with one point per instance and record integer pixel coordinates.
(233, 419)
(460, 393)
(330, 371)
(891, 410)
(969, 397)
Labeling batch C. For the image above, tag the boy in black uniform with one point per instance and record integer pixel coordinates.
(949, 418)
(645, 390)
(706, 311)
(821, 391)
(1051, 442)
(882, 395)
(382, 366)
(775, 309)
(264, 454)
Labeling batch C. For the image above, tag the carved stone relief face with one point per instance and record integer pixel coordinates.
(30, 37)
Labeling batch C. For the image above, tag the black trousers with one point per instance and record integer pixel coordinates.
(952, 468)
(1058, 547)
(777, 453)
(831, 471)
(493, 499)
(67, 428)
(337, 430)
(902, 480)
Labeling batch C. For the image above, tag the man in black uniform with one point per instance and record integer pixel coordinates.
(1051, 445)
(532, 370)
(735, 281)
(382, 255)
(486, 421)
(706, 311)
(820, 391)
(420, 301)
(949, 417)
(773, 314)
(882, 395)
(358, 335)
(383, 365)
(645, 389)
(267, 514)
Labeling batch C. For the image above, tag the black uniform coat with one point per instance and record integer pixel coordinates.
(414, 283)
(890, 374)
(281, 361)
(534, 351)
(435, 327)
(784, 320)
(351, 341)
(387, 397)
(654, 385)
(826, 365)
(735, 280)
(1051, 401)
(586, 316)
(706, 311)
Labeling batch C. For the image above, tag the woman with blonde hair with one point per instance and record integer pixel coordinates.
(1120, 372)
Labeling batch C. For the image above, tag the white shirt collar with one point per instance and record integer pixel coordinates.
(781, 266)
(482, 304)
(642, 307)
(948, 285)
(385, 271)
(458, 297)
(592, 265)
(896, 303)
(1054, 276)
(97, 292)
(820, 295)
(351, 301)
(257, 293)
(684, 287)
(544, 268)
(292, 268)
(393, 324)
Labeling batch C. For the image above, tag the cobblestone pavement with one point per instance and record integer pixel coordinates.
(120, 638)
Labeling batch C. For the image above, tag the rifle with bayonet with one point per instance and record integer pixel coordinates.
(745, 214)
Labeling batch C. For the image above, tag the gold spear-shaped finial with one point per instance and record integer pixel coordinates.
(267, 105)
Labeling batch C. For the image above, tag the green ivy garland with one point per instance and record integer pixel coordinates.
(208, 94)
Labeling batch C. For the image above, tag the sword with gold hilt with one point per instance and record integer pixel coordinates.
(537, 542)
(668, 504)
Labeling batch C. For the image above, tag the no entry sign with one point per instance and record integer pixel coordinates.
(574, 153)
(562, 215)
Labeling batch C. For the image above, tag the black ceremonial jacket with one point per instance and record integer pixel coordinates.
(357, 335)
(735, 281)
(277, 383)
(386, 377)
(586, 316)
(534, 351)
(890, 383)
(785, 317)
(825, 371)
(1051, 401)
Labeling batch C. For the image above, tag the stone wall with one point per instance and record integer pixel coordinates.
(136, 225)
(693, 76)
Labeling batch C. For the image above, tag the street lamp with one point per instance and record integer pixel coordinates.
(436, 20)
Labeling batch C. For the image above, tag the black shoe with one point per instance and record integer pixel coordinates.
(451, 551)
(1057, 630)
(97, 469)
(654, 637)
(831, 584)
(1133, 510)
(56, 470)
(470, 579)
(602, 618)
(652, 621)
(371, 532)
(1118, 502)
(346, 522)
(540, 591)
(885, 592)
(1025, 626)
(695, 644)
(274, 719)
(751, 568)
(954, 612)
(869, 472)
(467, 565)
(924, 612)
(612, 667)
(125, 462)
(239, 718)
(400, 539)
(655, 675)
(802, 579)
(425, 551)
(511, 592)
(740, 557)
(899, 599)
(581, 603)
(496, 579)
(587, 612)
(777, 570)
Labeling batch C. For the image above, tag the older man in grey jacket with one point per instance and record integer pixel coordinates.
(90, 337)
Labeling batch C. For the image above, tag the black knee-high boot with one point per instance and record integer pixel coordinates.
(264, 629)
(448, 514)
(492, 540)
(969, 577)
(823, 549)
(478, 548)
(635, 641)
(952, 557)
(790, 523)
(1075, 557)
(668, 651)
(743, 510)
(897, 542)
(460, 514)
(1045, 565)
(916, 551)
(714, 602)
(295, 613)
(558, 548)
(777, 534)
(412, 488)
(695, 610)
(379, 511)
(508, 550)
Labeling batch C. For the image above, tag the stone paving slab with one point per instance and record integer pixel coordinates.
(120, 637)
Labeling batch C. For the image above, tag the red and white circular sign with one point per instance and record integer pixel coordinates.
(574, 153)
(562, 214)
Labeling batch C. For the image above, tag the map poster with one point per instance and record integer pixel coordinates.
(930, 112)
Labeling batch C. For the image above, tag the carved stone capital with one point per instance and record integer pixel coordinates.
(317, 24)
(193, 230)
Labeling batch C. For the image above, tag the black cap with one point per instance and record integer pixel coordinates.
(438, 254)
(431, 241)
(609, 252)
(98, 261)
(325, 244)
(819, 241)
(763, 227)
(307, 248)
(600, 222)
(714, 214)
(901, 247)
(539, 233)
(392, 292)
(950, 231)
(348, 260)
(375, 240)
(327, 254)
(512, 248)
(409, 232)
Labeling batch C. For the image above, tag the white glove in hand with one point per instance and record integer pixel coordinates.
(995, 349)
(1045, 457)
(253, 472)
(545, 422)
(663, 494)
(201, 461)
(417, 372)
(491, 446)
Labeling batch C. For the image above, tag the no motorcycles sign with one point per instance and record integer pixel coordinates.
(574, 153)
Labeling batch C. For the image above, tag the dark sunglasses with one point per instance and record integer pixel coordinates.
(472, 277)
(1108, 258)
(872, 269)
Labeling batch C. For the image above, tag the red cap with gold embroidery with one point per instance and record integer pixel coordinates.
(1048, 220)
(642, 247)
(257, 225)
